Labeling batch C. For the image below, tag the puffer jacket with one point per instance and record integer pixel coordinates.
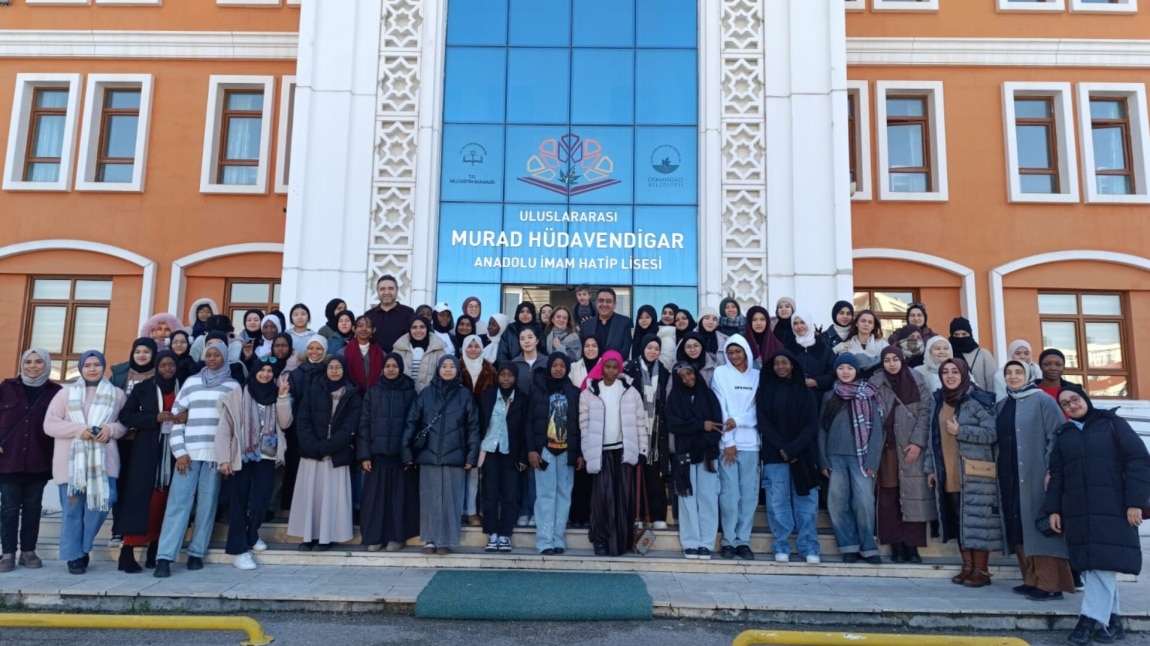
(383, 418)
(454, 436)
(322, 431)
(981, 527)
(911, 423)
(540, 417)
(592, 411)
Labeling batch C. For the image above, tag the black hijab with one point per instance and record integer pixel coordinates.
(264, 394)
(640, 332)
(167, 386)
(710, 339)
(681, 352)
(680, 334)
(788, 404)
(518, 325)
(351, 331)
(965, 344)
(329, 312)
(199, 327)
(426, 341)
(552, 384)
(446, 388)
(588, 362)
(457, 337)
(333, 386)
(146, 342)
(783, 330)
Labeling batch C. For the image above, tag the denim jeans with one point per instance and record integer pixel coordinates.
(21, 500)
(199, 486)
(699, 512)
(552, 500)
(786, 509)
(1100, 599)
(851, 503)
(251, 495)
(79, 525)
(738, 496)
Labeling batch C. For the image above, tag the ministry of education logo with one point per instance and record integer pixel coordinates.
(570, 165)
(473, 154)
(666, 159)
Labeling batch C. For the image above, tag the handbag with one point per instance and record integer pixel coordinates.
(420, 439)
(1042, 523)
(979, 468)
(644, 538)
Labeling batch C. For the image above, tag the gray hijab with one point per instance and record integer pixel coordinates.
(42, 379)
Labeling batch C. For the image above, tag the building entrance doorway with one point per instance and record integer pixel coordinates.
(556, 295)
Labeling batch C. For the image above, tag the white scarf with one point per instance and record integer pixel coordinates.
(87, 471)
(473, 366)
(808, 339)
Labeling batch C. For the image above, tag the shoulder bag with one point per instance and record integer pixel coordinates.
(645, 537)
(420, 439)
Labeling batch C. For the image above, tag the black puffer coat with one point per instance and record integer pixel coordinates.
(454, 438)
(323, 432)
(384, 418)
(1096, 473)
(540, 413)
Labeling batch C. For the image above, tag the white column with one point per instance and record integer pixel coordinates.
(807, 177)
(330, 193)
(710, 154)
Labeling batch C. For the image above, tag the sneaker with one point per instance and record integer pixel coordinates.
(559, 551)
(492, 544)
(1079, 584)
(30, 560)
(530, 521)
(704, 554)
(782, 558)
(163, 569)
(521, 522)
(116, 541)
(691, 553)
(76, 566)
(7, 563)
(1083, 633)
(195, 563)
(744, 552)
(814, 559)
(504, 544)
(727, 552)
(260, 545)
(1023, 589)
(245, 562)
(1043, 595)
(428, 549)
(658, 524)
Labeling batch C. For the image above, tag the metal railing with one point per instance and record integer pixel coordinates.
(803, 638)
(253, 629)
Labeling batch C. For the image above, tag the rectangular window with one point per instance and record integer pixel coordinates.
(905, 5)
(284, 138)
(240, 137)
(1040, 142)
(1110, 132)
(67, 316)
(912, 141)
(46, 137)
(1115, 141)
(237, 139)
(1089, 329)
(41, 136)
(245, 294)
(1032, 5)
(858, 129)
(1104, 6)
(114, 135)
(889, 305)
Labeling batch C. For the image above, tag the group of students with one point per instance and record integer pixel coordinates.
(399, 419)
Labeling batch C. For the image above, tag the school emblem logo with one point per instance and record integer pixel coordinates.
(570, 165)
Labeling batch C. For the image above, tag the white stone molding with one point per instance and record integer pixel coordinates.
(180, 266)
(218, 87)
(20, 129)
(904, 5)
(1134, 95)
(1114, 6)
(864, 183)
(999, 52)
(968, 293)
(718, 88)
(1066, 155)
(78, 43)
(283, 132)
(92, 125)
(1047, 6)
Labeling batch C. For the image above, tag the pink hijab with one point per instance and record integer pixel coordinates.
(597, 372)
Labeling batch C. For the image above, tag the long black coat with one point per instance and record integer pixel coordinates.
(315, 417)
(1096, 473)
(540, 416)
(383, 418)
(817, 363)
(139, 474)
(27, 449)
(688, 410)
(517, 415)
(454, 437)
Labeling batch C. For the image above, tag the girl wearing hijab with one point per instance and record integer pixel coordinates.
(708, 329)
(84, 420)
(788, 422)
(758, 334)
(915, 317)
(960, 467)
(442, 326)
(813, 356)
(330, 312)
(328, 418)
(198, 314)
(1019, 350)
(653, 380)
(503, 424)
(646, 322)
(425, 312)
(496, 325)
(25, 457)
(840, 330)
(343, 333)
(442, 436)
(983, 367)
(464, 327)
(390, 507)
(421, 351)
(850, 448)
(473, 307)
(270, 328)
(509, 341)
(578, 373)
(253, 326)
(694, 421)
(1099, 485)
(180, 345)
(554, 454)
(866, 342)
(478, 377)
(909, 339)
(732, 320)
(300, 329)
(250, 444)
(612, 427)
(667, 315)
(312, 367)
(584, 366)
(561, 335)
(1028, 424)
(905, 502)
(691, 352)
(937, 350)
(363, 360)
(781, 325)
(148, 470)
(141, 365)
(284, 354)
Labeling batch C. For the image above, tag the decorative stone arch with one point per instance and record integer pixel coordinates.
(179, 266)
(968, 293)
(997, 298)
(147, 288)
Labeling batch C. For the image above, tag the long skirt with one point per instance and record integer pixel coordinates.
(321, 502)
(580, 513)
(389, 510)
(613, 504)
(1047, 573)
(156, 507)
(441, 495)
(891, 527)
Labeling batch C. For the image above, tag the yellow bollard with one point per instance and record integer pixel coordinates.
(255, 632)
(803, 638)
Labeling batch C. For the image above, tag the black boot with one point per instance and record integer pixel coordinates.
(897, 553)
(163, 569)
(911, 553)
(150, 561)
(1083, 633)
(1116, 627)
(128, 562)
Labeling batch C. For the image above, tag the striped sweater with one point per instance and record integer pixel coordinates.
(197, 437)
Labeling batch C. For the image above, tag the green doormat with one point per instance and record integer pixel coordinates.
(526, 596)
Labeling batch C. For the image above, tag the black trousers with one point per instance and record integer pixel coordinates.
(291, 468)
(656, 493)
(251, 494)
(500, 493)
(21, 499)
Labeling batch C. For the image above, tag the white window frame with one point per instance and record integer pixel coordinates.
(19, 130)
(865, 180)
(1047, 6)
(71, 2)
(904, 5)
(139, 3)
(1064, 126)
(1135, 95)
(933, 92)
(92, 123)
(855, 5)
(293, 3)
(1122, 6)
(287, 86)
(217, 87)
(248, 3)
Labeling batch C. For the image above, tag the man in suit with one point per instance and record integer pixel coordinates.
(611, 330)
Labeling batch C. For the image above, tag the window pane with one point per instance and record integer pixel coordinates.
(892, 302)
(243, 138)
(47, 289)
(1037, 183)
(1064, 336)
(249, 293)
(52, 99)
(93, 290)
(115, 173)
(1102, 304)
(910, 107)
(1109, 148)
(43, 172)
(120, 136)
(904, 145)
(1107, 386)
(862, 301)
(122, 99)
(1032, 108)
(1115, 184)
(1057, 304)
(1103, 346)
(90, 325)
(240, 175)
(1100, 109)
(908, 183)
(1034, 147)
(48, 327)
(49, 135)
(245, 101)
(276, 294)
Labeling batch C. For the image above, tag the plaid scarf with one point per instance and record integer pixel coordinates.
(862, 398)
(87, 472)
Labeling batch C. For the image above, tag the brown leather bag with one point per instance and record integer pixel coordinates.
(644, 538)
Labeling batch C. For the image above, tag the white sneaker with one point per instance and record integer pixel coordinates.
(814, 559)
(782, 558)
(260, 545)
(659, 524)
(530, 521)
(521, 521)
(245, 561)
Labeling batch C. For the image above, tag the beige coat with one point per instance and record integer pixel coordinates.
(427, 365)
(231, 425)
(911, 426)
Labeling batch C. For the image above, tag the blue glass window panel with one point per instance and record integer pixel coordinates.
(666, 165)
(678, 264)
(655, 296)
(533, 264)
(596, 265)
(474, 85)
(472, 168)
(604, 165)
(604, 23)
(477, 22)
(603, 86)
(455, 293)
(666, 87)
(540, 23)
(667, 23)
(461, 231)
(534, 165)
(538, 85)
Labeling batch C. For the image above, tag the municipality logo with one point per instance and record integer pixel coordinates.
(570, 165)
(666, 159)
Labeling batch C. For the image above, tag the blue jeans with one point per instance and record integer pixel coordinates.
(79, 525)
(552, 500)
(850, 501)
(1100, 599)
(786, 508)
(201, 486)
(699, 512)
(738, 496)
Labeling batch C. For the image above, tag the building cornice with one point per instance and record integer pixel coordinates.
(228, 45)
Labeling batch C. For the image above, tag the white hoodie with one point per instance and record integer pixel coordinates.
(736, 393)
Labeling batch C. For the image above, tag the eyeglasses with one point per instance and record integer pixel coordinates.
(1070, 401)
(269, 359)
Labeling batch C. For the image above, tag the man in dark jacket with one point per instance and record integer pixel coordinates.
(391, 318)
(503, 422)
(553, 451)
(611, 330)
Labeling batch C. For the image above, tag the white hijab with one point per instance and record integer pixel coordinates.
(491, 352)
(808, 339)
(472, 366)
